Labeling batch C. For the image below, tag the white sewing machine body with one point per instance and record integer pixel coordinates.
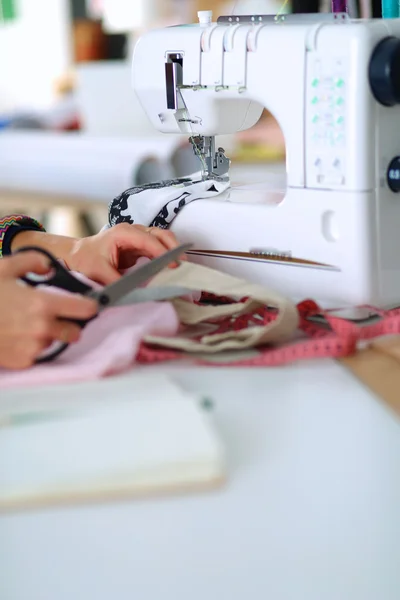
(334, 233)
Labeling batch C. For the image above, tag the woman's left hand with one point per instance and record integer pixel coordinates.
(101, 257)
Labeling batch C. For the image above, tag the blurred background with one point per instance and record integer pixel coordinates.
(72, 134)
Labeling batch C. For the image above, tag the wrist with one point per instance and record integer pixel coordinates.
(25, 238)
(61, 247)
(11, 226)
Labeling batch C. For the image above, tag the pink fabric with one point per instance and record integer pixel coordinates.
(108, 345)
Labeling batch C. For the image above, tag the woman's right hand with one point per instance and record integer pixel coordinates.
(30, 317)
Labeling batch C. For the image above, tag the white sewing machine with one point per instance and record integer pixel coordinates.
(334, 87)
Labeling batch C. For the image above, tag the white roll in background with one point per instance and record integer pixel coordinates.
(75, 164)
(122, 16)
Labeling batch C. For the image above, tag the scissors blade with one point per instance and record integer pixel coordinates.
(153, 294)
(115, 291)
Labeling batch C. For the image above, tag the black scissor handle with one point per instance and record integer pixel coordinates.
(51, 353)
(58, 275)
(57, 347)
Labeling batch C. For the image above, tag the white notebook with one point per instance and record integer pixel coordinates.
(148, 438)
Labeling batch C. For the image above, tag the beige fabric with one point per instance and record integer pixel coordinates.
(199, 278)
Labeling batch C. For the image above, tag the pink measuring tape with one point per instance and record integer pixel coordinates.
(335, 338)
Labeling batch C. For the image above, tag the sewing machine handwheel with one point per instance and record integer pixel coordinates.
(384, 71)
(393, 175)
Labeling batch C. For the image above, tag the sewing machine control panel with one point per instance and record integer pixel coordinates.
(325, 126)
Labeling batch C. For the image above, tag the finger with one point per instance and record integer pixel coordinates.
(149, 241)
(104, 273)
(133, 238)
(21, 355)
(166, 237)
(65, 332)
(169, 240)
(19, 265)
(49, 329)
(71, 306)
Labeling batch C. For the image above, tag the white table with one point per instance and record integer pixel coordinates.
(311, 512)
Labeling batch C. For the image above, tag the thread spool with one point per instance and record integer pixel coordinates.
(205, 17)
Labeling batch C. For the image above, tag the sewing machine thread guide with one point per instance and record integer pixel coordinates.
(289, 18)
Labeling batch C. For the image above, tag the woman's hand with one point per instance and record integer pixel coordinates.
(29, 317)
(101, 257)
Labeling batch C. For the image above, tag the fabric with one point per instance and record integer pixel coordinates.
(258, 330)
(201, 331)
(337, 338)
(109, 345)
(11, 225)
(157, 204)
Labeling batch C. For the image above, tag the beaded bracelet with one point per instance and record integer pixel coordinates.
(10, 225)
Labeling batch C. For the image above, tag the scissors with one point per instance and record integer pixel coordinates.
(120, 293)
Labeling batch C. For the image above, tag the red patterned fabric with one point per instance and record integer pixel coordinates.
(334, 339)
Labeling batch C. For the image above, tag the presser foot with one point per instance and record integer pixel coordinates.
(215, 163)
